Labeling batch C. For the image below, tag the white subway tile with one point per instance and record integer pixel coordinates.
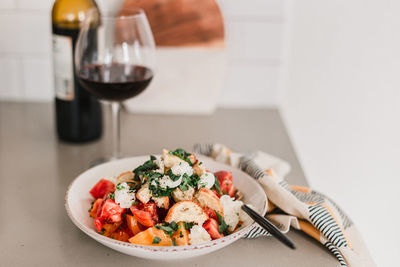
(37, 79)
(9, 77)
(254, 40)
(24, 32)
(35, 4)
(252, 8)
(7, 4)
(250, 85)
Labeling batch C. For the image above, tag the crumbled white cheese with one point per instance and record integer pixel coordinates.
(198, 235)
(231, 209)
(207, 180)
(166, 181)
(123, 196)
(181, 168)
(160, 164)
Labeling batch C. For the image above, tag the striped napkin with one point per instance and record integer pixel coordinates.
(304, 209)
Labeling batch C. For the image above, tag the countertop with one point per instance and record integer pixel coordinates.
(35, 170)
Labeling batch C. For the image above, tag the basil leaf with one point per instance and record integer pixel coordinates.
(156, 240)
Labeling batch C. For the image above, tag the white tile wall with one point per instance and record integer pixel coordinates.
(254, 38)
(37, 83)
(264, 9)
(24, 32)
(35, 4)
(253, 41)
(7, 4)
(9, 77)
(250, 85)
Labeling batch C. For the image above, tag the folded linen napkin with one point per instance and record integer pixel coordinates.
(306, 209)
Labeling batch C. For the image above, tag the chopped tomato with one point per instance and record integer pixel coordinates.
(109, 228)
(152, 208)
(210, 212)
(102, 188)
(232, 191)
(145, 214)
(121, 235)
(95, 207)
(111, 211)
(98, 224)
(211, 227)
(132, 224)
(223, 175)
(226, 182)
(216, 193)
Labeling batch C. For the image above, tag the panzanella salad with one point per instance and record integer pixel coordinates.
(168, 201)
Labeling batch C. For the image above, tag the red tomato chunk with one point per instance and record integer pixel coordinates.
(102, 188)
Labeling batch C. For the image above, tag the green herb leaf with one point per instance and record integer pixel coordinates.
(217, 186)
(169, 229)
(223, 227)
(144, 168)
(187, 225)
(182, 154)
(120, 187)
(173, 241)
(174, 226)
(111, 196)
(173, 176)
(152, 157)
(156, 240)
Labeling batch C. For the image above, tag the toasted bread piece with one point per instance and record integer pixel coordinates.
(186, 211)
(192, 158)
(179, 195)
(127, 177)
(170, 160)
(144, 194)
(198, 169)
(161, 202)
(206, 198)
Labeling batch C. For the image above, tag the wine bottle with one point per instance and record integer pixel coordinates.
(78, 113)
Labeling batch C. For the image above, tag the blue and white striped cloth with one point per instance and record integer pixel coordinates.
(304, 209)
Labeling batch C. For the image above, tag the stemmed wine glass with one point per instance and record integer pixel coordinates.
(115, 59)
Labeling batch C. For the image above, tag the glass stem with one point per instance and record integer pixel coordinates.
(116, 125)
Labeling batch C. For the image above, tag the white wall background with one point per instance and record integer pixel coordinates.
(253, 32)
(342, 108)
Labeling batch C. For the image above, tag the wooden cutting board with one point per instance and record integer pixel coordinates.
(191, 57)
(183, 22)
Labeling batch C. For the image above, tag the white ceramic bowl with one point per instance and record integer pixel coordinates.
(78, 199)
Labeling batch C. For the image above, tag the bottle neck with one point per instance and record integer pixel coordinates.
(71, 13)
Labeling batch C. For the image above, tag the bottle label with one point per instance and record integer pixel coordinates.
(63, 67)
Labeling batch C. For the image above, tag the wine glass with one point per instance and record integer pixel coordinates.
(115, 59)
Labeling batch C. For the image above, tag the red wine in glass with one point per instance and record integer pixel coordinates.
(115, 82)
(115, 60)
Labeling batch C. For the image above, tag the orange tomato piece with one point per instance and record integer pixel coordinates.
(95, 207)
(181, 235)
(110, 228)
(151, 237)
(120, 235)
(133, 224)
